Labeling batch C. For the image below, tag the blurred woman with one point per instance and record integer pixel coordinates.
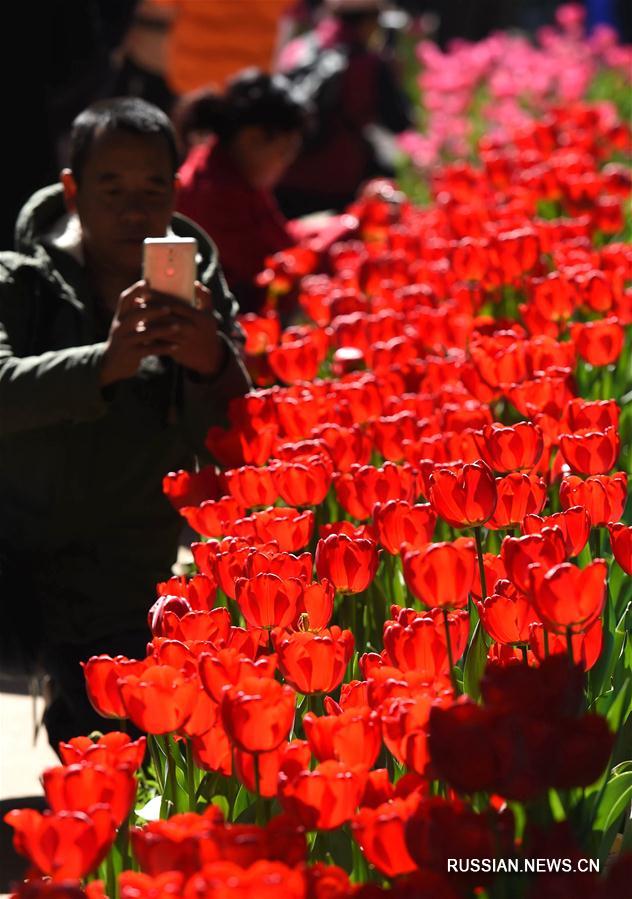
(240, 143)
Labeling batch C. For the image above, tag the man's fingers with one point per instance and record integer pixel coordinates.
(128, 300)
(172, 331)
(158, 348)
(203, 298)
(141, 317)
(203, 302)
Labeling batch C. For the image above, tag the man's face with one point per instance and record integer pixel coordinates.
(126, 193)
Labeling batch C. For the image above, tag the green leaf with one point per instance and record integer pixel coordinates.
(475, 663)
(616, 796)
(242, 801)
(599, 678)
(621, 707)
(222, 803)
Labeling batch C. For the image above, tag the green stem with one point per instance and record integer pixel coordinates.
(569, 645)
(525, 656)
(259, 807)
(190, 776)
(155, 758)
(111, 887)
(171, 785)
(448, 643)
(594, 541)
(606, 383)
(545, 635)
(481, 565)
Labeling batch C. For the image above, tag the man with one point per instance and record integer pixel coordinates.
(104, 387)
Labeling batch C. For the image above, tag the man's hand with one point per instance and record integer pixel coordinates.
(195, 343)
(147, 323)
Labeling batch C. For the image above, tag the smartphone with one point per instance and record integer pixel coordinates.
(170, 266)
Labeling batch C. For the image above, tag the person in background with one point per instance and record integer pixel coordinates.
(242, 142)
(211, 40)
(105, 387)
(359, 90)
(140, 60)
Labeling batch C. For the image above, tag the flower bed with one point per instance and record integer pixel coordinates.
(406, 639)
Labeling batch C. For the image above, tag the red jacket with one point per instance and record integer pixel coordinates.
(245, 223)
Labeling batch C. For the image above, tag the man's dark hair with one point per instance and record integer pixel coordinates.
(130, 114)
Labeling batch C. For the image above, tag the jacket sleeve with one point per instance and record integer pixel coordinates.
(50, 388)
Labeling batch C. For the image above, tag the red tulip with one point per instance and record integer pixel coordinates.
(568, 598)
(303, 483)
(519, 495)
(246, 844)
(295, 361)
(263, 880)
(313, 662)
(460, 744)
(399, 521)
(212, 750)
(380, 833)
(621, 543)
(518, 553)
(360, 488)
(440, 829)
(587, 645)
(347, 446)
(405, 727)
(494, 571)
(596, 415)
(442, 574)
(290, 528)
(135, 885)
(507, 615)
(267, 600)
(80, 786)
(285, 565)
(353, 737)
(603, 496)
(213, 625)
(64, 845)
(199, 591)
(326, 881)
(160, 699)
(229, 666)
(507, 448)
(598, 342)
(112, 750)
(574, 524)
(101, 674)
(50, 889)
(350, 564)
(466, 497)
(192, 488)
(419, 644)
(258, 713)
(591, 452)
(226, 560)
(251, 486)
(260, 772)
(213, 518)
(316, 606)
(324, 798)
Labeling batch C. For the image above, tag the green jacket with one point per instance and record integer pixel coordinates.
(81, 503)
